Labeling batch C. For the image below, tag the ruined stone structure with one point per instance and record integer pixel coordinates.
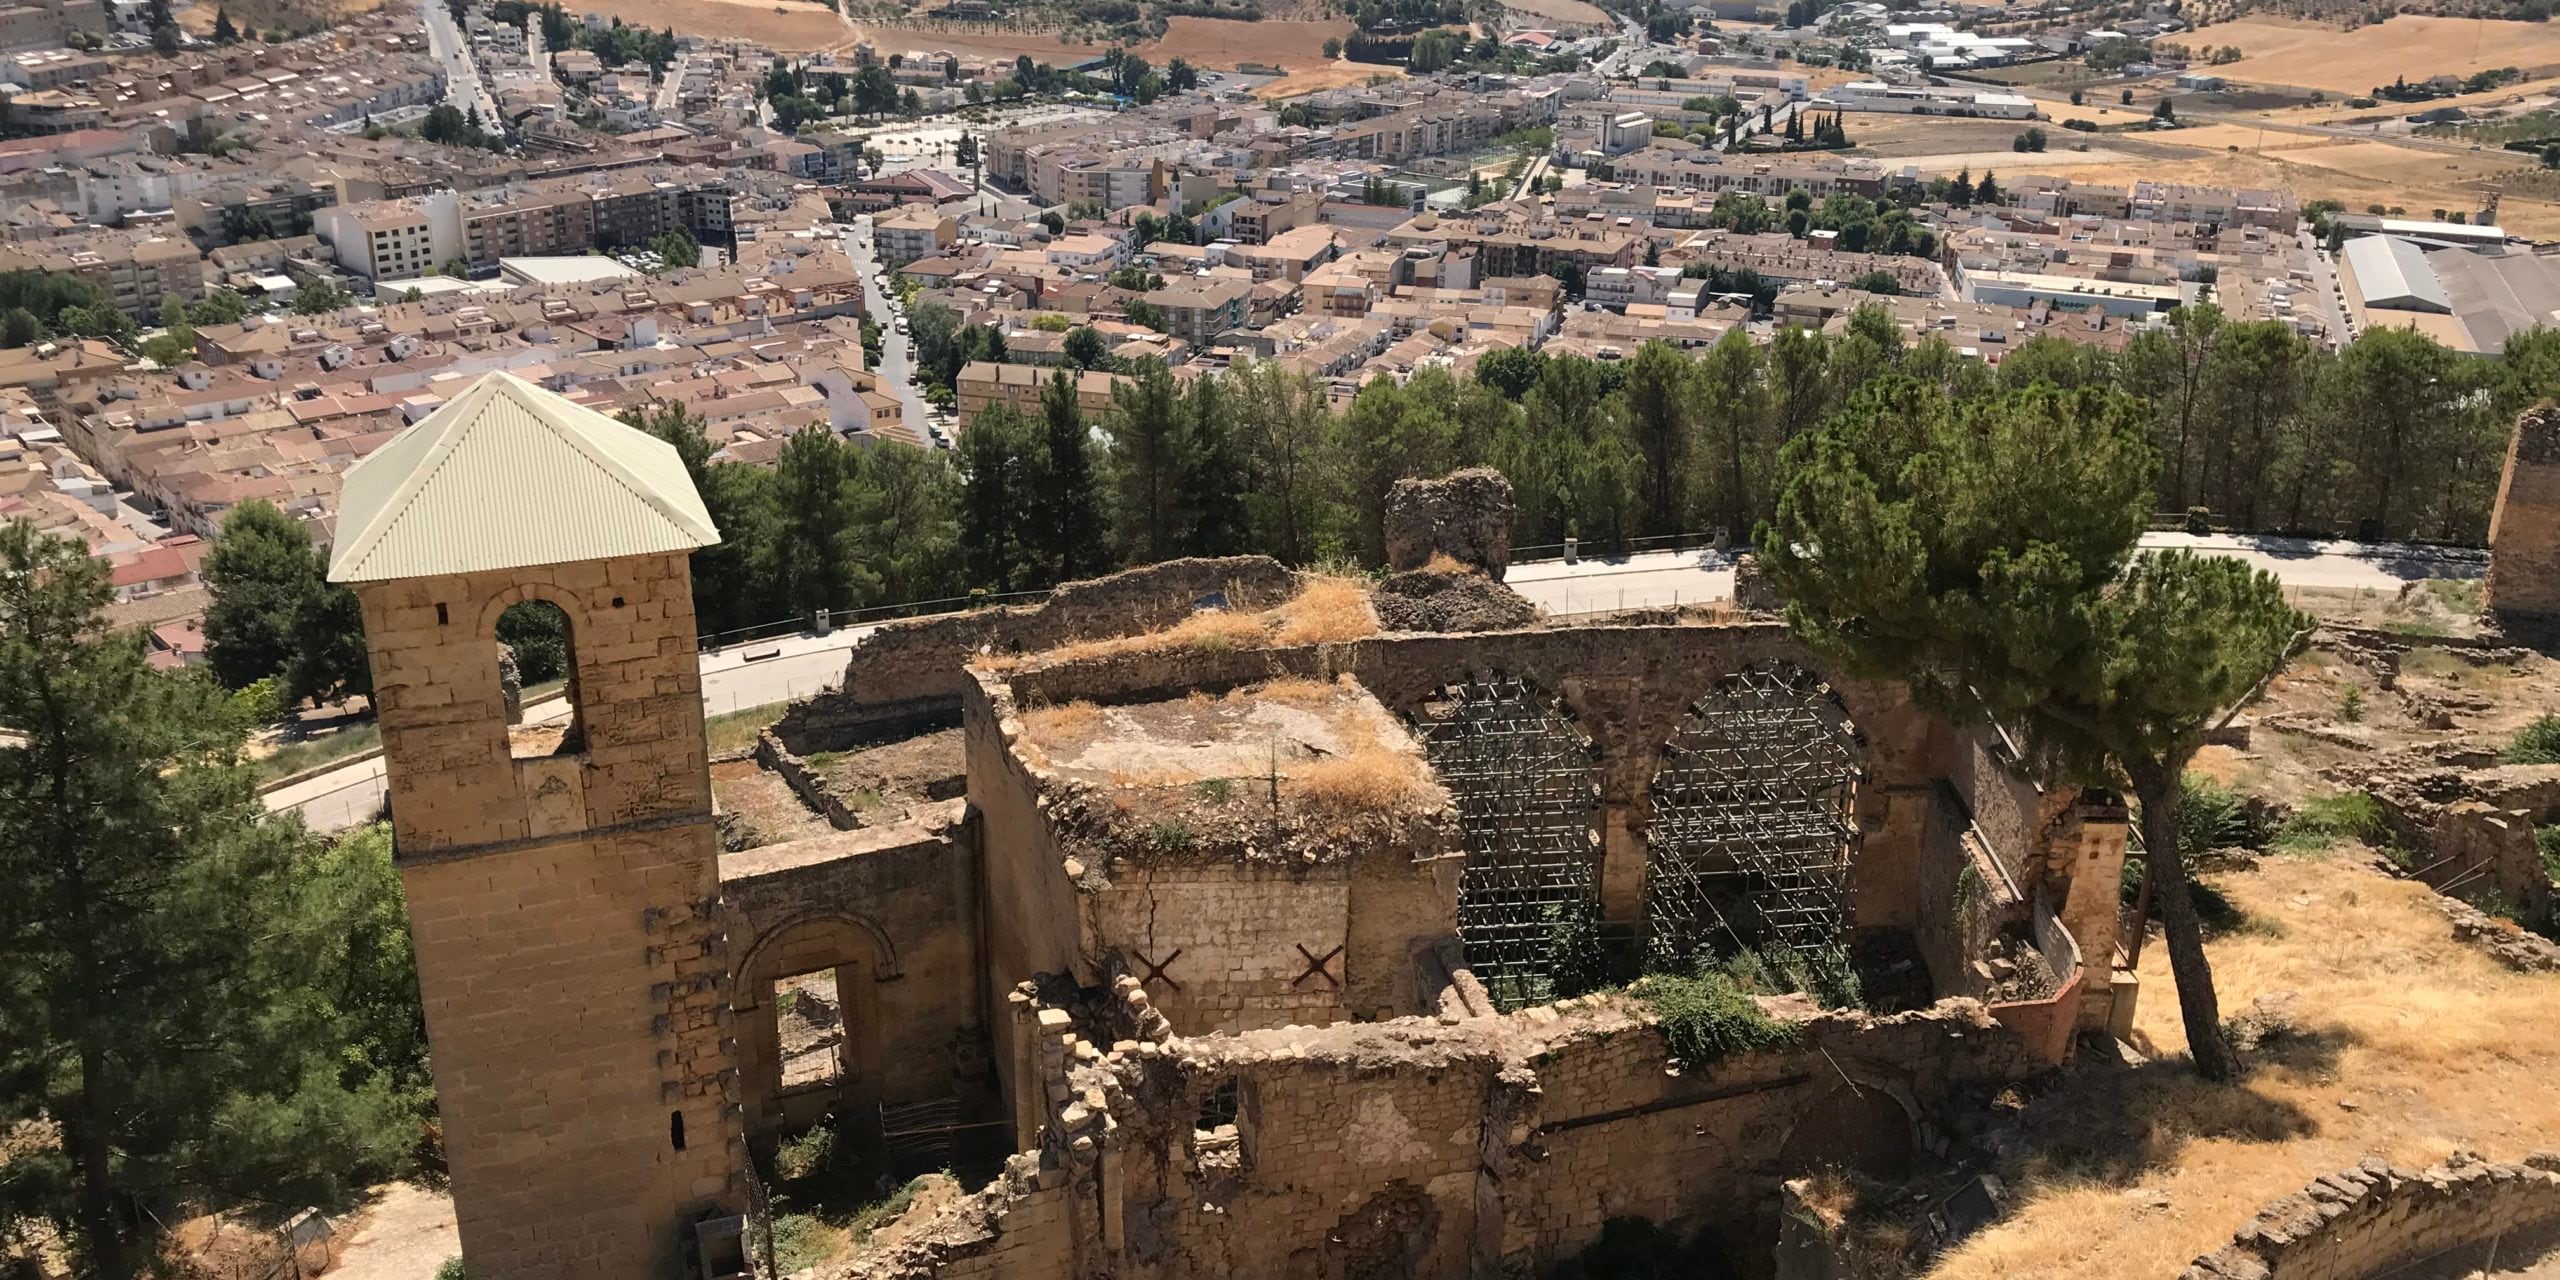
(1465, 515)
(565, 905)
(1254, 950)
(2524, 526)
(2376, 1220)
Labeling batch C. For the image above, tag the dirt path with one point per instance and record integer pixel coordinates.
(404, 1235)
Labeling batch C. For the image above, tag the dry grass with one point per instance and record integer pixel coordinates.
(1371, 777)
(1444, 563)
(1077, 718)
(1327, 609)
(2285, 51)
(1292, 691)
(2426, 1043)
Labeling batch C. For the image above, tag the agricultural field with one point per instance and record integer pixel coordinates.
(1332, 75)
(1529, 13)
(1219, 43)
(1891, 137)
(2310, 55)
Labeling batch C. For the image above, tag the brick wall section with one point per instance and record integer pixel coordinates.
(913, 672)
(2524, 526)
(570, 935)
(2374, 1219)
(893, 911)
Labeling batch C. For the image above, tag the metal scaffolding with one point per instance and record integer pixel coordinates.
(1758, 789)
(1527, 791)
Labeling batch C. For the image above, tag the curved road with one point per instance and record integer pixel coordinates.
(773, 671)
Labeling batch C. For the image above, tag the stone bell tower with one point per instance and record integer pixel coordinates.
(563, 883)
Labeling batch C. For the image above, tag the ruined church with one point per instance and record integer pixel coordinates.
(1248, 922)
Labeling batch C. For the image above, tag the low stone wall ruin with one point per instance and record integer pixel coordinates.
(908, 675)
(2373, 1220)
(2473, 829)
(805, 782)
(1432, 1148)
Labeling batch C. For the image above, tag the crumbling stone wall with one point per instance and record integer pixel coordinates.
(1440, 1148)
(1465, 515)
(893, 911)
(805, 782)
(2524, 526)
(2374, 1219)
(2470, 829)
(1627, 682)
(911, 674)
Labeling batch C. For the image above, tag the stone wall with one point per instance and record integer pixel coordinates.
(1447, 1148)
(893, 912)
(805, 782)
(1465, 515)
(2373, 1220)
(911, 674)
(572, 942)
(2524, 526)
(2472, 829)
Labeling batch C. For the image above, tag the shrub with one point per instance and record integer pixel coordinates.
(800, 1241)
(2081, 126)
(1709, 1018)
(2547, 839)
(451, 1270)
(2323, 821)
(2536, 743)
(2351, 704)
(2210, 817)
(804, 1154)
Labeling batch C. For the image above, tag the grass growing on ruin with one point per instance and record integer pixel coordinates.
(1709, 1017)
(2407, 1044)
(1327, 609)
(2536, 743)
(734, 731)
(2326, 821)
(1077, 718)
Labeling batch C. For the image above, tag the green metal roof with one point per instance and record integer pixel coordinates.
(508, 475)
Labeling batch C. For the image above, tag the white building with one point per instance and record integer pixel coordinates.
(1926, 100)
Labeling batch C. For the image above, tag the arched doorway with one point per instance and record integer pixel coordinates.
(808, 1019)
(1754, 818)
(1528, 796)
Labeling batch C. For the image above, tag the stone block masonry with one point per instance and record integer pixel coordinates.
(572, 943)
(2524, 526)
(2375, 1220)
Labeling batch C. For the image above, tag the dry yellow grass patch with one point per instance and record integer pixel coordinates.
(1293, 691)
(2428, 1044)
(1078, 717)
(1328, 609)
(1443, 562)
(1372, 776)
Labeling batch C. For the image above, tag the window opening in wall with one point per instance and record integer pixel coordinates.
(537, 640)
(1528, 796)
(808, 1019)
(1754, 819)
(1219, 1108)
(675, 1130)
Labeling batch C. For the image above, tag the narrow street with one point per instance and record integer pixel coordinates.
(897, 355)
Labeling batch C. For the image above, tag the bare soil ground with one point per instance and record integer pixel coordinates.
(404, 1234)
(1333, 75)
(899, 775)
(759, 808)
(811, 1026)
(2409, 1044)
(1220, 43)
(1527, 14)
(2293, 52)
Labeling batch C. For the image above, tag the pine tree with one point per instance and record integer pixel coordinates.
(1979, 553)
(1003, 462)
(1213, 482)
(223, 31)
(184, 1001)
(1069, 506)
(259, 574)
(1150, 457)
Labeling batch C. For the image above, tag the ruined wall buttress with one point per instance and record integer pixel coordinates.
(567, 920)
(2524, 526)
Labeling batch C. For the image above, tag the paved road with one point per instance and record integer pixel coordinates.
(765, 672)
(461, 73)
(897, 355)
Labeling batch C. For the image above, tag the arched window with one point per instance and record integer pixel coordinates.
(543, 711)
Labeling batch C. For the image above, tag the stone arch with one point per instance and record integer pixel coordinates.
(1753, 816)
(848, 946)
(574, 618)
(1525, 778)
(1862, 1124)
